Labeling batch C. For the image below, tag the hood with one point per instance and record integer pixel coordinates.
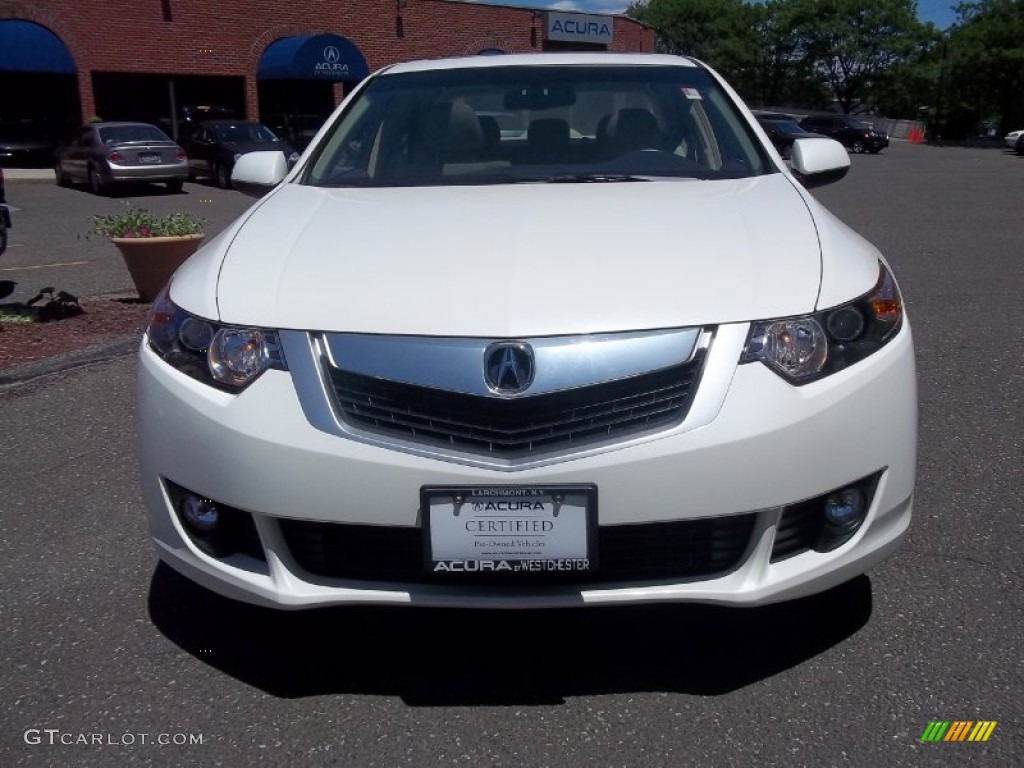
(522, 260)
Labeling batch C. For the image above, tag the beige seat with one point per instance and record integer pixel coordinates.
(453, 137)
(632, 129)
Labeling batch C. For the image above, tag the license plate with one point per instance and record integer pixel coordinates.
(149, 157)
(513, 530)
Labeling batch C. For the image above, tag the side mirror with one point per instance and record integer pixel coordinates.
(256, 173)
(817, 162)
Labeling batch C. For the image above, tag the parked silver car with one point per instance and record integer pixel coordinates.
(103, 154)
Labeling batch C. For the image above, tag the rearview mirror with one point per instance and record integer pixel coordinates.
(256, 173)
(817, 162)
(538, 97)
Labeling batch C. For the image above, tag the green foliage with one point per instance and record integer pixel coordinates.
(715, 31)
(853, 43)
(782, 73)
(139, 222)
(985, 62)
(807, 52)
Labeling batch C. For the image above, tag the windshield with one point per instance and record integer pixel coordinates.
(243, 132)
(512, 124)
(118, 134)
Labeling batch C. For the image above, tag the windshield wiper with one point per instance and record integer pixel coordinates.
(584, 178)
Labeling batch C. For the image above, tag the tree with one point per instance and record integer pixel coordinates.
(714, 31)
(986, 61)
(853, 43)
(781, 74)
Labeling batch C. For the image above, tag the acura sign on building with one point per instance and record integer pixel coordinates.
(579, 28)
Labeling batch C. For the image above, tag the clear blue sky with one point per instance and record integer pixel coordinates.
(938, 11)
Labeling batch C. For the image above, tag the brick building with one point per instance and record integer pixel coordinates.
(64, 61)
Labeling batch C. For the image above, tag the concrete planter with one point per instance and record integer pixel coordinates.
(152, 260)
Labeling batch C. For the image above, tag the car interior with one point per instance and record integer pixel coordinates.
(540, 133)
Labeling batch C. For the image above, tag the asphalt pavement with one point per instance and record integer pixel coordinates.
(101, 645)
(51, 243)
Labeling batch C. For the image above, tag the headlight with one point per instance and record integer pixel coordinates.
(226, 357)
(804, 349)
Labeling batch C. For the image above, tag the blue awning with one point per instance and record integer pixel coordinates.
(312, 57)
(28, 47)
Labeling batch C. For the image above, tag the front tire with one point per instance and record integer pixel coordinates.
(62, 180)
(858, 147)
(223, 176)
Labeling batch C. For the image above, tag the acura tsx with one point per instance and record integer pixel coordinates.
(623, 355)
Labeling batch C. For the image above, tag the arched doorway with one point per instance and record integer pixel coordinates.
(296, 78)
(39, 83)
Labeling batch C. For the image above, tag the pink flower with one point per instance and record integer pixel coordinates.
(127, 234)
(144, 232)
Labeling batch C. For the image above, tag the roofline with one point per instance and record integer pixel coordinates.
(544, 59)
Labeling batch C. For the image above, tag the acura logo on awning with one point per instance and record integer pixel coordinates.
(508, 367)
(331, 54)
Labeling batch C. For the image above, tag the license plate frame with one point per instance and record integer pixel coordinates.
(555, 544)
(149, 158)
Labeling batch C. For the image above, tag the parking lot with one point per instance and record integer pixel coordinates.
(99, 640)
(51, 243)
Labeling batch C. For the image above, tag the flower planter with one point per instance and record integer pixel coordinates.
(152, 260)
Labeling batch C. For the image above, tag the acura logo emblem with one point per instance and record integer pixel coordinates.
(331, 54)
(508, 367)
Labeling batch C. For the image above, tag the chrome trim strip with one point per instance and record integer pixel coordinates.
(306, 352)
(561, 362)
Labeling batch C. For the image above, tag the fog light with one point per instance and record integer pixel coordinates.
(201, 515)
(844, 508)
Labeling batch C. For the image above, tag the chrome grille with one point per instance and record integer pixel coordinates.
(521, 426)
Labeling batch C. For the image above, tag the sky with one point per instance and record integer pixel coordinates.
(938, 11)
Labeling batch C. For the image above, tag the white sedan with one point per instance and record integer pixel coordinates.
(1011, 138)
(624, 358)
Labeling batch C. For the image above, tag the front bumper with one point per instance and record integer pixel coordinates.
(162, 172)
(766, 445)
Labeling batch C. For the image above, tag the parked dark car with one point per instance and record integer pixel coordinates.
(25, 145)
(852, 133)
(5, 215)
(214, 146)
(1019, 146)
(783, 130)
(103, 154)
